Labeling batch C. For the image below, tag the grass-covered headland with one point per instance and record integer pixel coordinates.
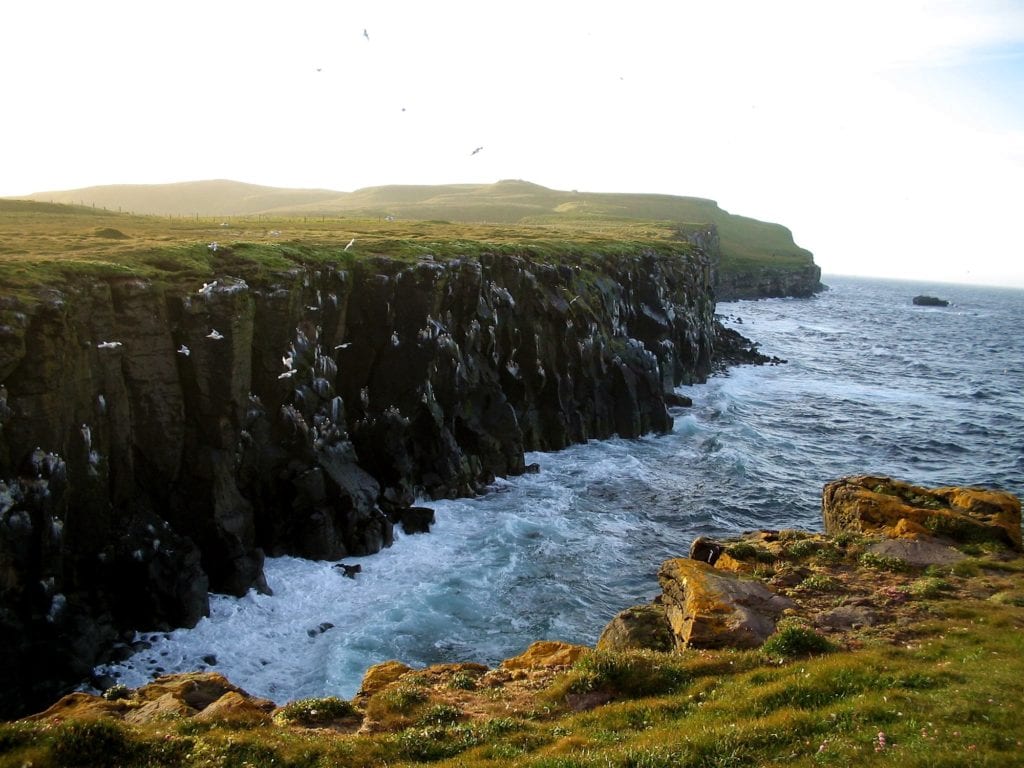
(91, 232)
(928, 676)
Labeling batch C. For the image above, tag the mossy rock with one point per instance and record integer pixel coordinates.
(642, 627)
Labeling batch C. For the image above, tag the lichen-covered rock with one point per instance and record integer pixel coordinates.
(545, 653)
(642, 627)
(235, 707)
(868, 503)
(707, 608)
(380, 676)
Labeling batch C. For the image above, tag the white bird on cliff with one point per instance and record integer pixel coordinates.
(287, 361)
(108, 345)
(215, 335)
(207, 287)
(350, 243)
(183, 350)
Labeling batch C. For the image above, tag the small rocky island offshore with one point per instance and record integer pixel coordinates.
(895, 636)
(929, 301)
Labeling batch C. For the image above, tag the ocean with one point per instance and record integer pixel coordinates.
(872, 384)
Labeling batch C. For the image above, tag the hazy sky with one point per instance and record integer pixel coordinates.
(888, 135)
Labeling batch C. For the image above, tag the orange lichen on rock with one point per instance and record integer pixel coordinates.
(707, 608)
(868, 504)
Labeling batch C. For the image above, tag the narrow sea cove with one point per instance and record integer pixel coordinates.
(872, 384)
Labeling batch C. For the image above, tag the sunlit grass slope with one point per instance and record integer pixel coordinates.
(745, 243)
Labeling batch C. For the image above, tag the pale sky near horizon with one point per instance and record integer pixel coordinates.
(888, 135)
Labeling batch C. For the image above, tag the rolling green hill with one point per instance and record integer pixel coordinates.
(746, 243)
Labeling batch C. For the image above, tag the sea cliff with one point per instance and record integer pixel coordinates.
(159, 437)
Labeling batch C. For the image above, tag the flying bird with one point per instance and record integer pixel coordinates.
(108, 345)
(287, 374)
(475, 151)
(350, 243)
(183, 350)
(346, 345)
(215, 335)
(366, 34)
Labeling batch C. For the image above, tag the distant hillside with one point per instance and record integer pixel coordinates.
(746, 243)
(206, 198)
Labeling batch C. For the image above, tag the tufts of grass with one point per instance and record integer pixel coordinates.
(928, 587)
(313, 712)
(792, 640)
(627, 674)
(819, 582)
(882, 562)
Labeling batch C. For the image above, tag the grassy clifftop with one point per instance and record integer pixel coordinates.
(50, 243)
(745, 243)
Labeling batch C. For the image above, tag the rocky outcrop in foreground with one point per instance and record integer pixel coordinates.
(802, 594)
(158, 439)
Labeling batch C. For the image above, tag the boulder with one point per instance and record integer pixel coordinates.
(79, 706)
(416, 519)
(705, 550)
(196, 689)
(873, 504)
(707, 608)
(545, 653)
(236, 708)
(642, 627)
(164, 707)
(917, 552)
(380, 676)
(930, 301)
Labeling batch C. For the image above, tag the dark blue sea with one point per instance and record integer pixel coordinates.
(873, 384)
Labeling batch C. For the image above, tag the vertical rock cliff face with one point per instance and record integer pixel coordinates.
(770, 282)
(156, 441)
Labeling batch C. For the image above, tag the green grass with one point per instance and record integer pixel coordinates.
(43, 243)
(945, 696)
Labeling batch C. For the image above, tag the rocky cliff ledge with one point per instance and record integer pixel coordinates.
(769, 282)
(157, 438)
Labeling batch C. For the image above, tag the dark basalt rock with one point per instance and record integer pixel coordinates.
(416, 519)
(298, 414)
(930, 301)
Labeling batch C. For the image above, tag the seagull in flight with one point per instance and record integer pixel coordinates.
(475, 151)
(215, 334)
(350, 243)
(108, 345)
(183, 350)
(366, 34)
